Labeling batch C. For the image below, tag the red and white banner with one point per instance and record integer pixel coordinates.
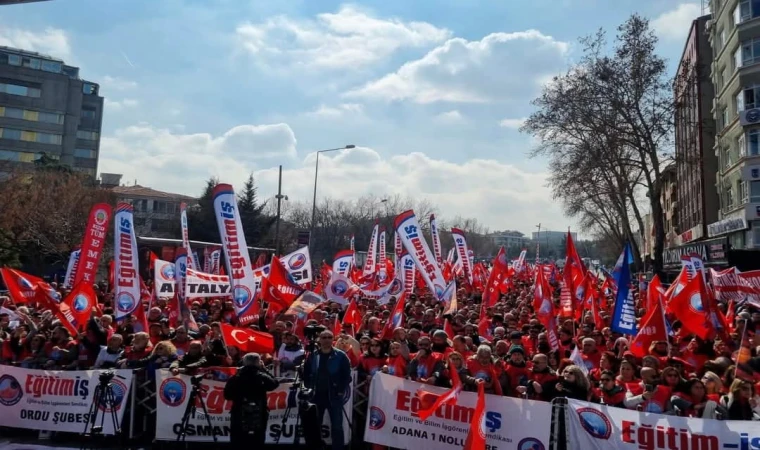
(126, 269)
(184, 315)
(408, 228)
(58, 400)
(192, 263)
(239, 269)
(214, 265)
(520, 263)
(437, 250)
(205, 285)
(382, 268)
(173, 393)
(730, 284)
(460, 243)
(370, 263)
(398, 248)
(393, 418)
(593, 426)
(92, 243)
(391, 290)
(342, 262)
(163, 279)
(71, 269)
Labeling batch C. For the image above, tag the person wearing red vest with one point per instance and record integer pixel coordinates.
(517, 370)
(425, 363)
(482, 367)
(648, 396)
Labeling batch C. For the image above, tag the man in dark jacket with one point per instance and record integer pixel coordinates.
(328, 372)
(248, 391)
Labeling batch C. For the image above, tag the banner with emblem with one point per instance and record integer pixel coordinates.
(58, 400)
(410, 232)
(393, 421)
(298, 265)
(594, 426)
(163, 279)
(126, 270)
(172, 397)
(203, 285)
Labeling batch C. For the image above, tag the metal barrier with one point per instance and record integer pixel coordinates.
(558, 433)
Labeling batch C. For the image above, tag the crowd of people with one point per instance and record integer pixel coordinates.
(685, 375)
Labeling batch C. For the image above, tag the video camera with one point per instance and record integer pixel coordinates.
(106, 377)
(311, 332)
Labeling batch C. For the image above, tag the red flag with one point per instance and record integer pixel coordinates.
(396, 319)
(653, 292)
(688, 305)
(151, 259)
(574, 274)
(279, 289)
(93, 242)
(247, 340)
(337, 327)
(21, 286)
(499, 272)
(449, 396)
(80, 301)
(544, 307)
(679, 283)
(448, 329)
(352, 316)
(476, 437)
(652, 329)
(260, 261)
(731, 315)
(483, 329)
(110, 275)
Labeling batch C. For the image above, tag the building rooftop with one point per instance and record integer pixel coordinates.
(142, 191)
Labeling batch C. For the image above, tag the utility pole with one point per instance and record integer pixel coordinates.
(538, 241)
(277, 223)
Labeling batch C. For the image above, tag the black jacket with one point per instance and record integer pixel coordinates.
(248, 384)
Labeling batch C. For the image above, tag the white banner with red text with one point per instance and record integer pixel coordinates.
(172, 395)
(593, 426)
(512, 424)
(56, 400)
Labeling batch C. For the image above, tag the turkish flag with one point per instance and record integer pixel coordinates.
(690, 306)
(448, 328)
(499, 273)
(476, 437)
(247, 340)
(352, 316)
(653, 293)
(396, 319)
(483, 329)
(449, 396)
(279, 289)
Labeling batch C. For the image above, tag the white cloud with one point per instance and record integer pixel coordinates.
(348, 39)
(181, 163)
(118, 105)
(450, 117)
(337, 111)
(50, 41)
(116, 83)
(675, 24)
(499, 67)
(512, 123)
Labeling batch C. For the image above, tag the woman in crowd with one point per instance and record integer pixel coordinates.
(690, 400)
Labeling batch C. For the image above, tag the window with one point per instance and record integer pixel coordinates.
(88, 113)
(140, 205)
(729, 198)
(14, 60)
(89, 88)
(750, 52)
(726, 158)
(742, 146)
(754, 191)
(31, 136)
(85, 153)
(746, 9)
(15, 89)
(738, 57)
(51, 66)
(51, 118)
(87, 135)
(741, 187)
(753, 142)
(34, 116)
(723, 122)
(755, 235)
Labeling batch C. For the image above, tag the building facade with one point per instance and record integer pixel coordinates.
(734, 35)
(509, 238)
(669, 202)
(696, 201)
(45, 108)
(156, 213)
(552, 238)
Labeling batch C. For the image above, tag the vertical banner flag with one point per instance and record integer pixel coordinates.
(397, 247)
(382, 271)
(688, 264)
(71, 269)
(92, 243)
(353, 250)
(624, 315)
(192, 261)
(436, 241)
(238, 261)
(407, 265)
(407, 226)
(126, 272)
(342, 262)
(214, 265)
(207, 259)
(370, 261)
(460, 243)
(163, 279)
(180, 264)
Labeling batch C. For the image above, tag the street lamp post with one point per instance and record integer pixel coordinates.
(316, 174)
(279, 198)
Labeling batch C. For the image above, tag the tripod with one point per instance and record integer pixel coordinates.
(191, 408)
(103, 399)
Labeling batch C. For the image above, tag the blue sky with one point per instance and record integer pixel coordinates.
(430, 92)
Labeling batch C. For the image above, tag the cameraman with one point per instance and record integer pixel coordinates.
(327, 372)
(248, 391)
